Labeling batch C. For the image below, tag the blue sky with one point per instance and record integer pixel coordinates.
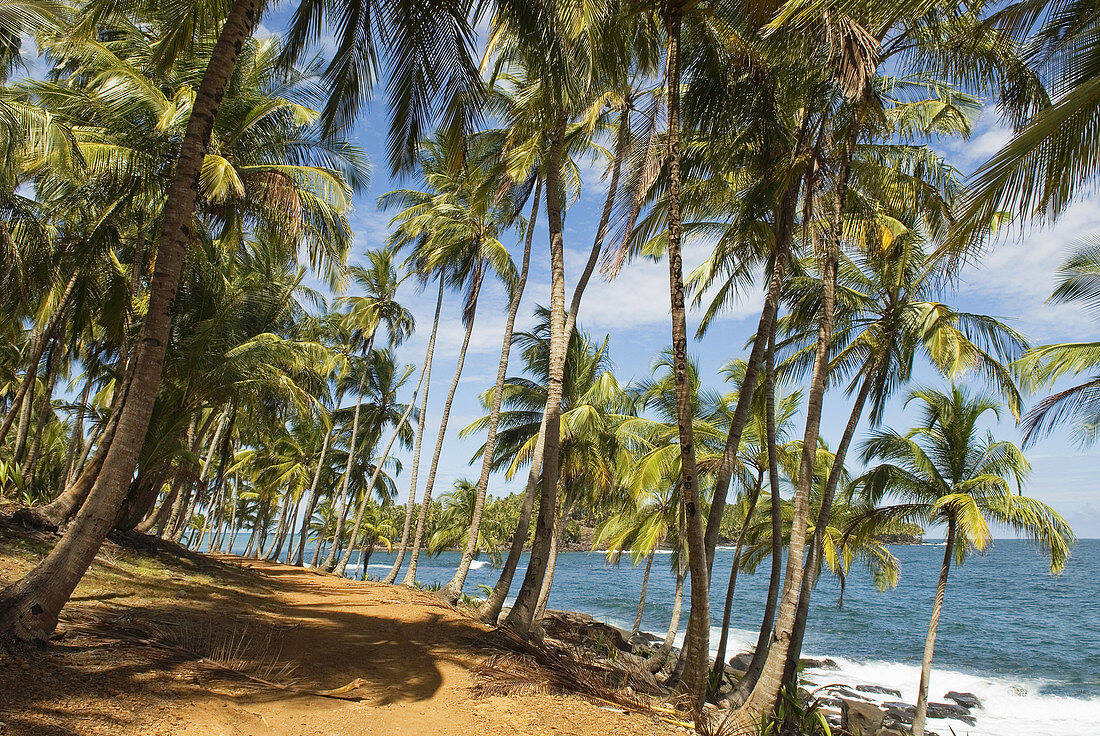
(1012, 283)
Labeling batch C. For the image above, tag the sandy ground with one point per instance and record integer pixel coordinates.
(415, 656)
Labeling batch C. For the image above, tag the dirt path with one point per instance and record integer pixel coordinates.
(415, 655)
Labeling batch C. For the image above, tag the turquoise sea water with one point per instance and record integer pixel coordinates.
(1026, 642)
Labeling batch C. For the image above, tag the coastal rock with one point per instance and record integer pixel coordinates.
(570, 625)
(860, 718)
(951, 711)
(900, 712)
(966, 700)
(844, 691)
(739, 664)
(818, 664)
(892, 730)
(879, 689)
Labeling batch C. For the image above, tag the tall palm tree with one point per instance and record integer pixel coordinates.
(944, 472)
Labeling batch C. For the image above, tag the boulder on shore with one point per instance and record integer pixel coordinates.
(570, 625)
(879, 689)
(951, 711)
(966, 700)
(860, 718)
(818, 664)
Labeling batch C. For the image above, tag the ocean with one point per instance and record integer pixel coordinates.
(1027, 643)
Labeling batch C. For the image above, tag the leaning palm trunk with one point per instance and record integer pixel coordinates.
(330, 561)
(313, 496)
(53, 364)
(720, 656)
(76, 437)
(29, 608)
(521, 618)
(693, 684)
(185, 504)
(930, 642)
(410, 506)
(453, 589)
(766, 692)
(342, 566)
(809, 573)
(426, 505)
(548, 578)
(641, 599)
(280, 528)
(748, 681)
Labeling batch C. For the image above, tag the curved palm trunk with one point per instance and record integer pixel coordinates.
(76, 437)
(696, 642)
(930, 641)
(312, 505)
(29, 608)
(330, 561)
(809, 574)
(280, 528)
(160, 516)
(453, 589)
(548, 579)
(426, 505)
(766, 692)
(184, 507)
(641, 598)
(720, 656)
(410, 506)
(521, 618)
(342, 566)
(760, 653)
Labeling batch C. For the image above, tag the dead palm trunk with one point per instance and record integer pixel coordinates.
(453, 589)
(313, 496)
(521, 617)
(29, 608)
(720, 656)
(641, 599)
(930, 641)
(426, 505)
(410, 505)
(342, 566)
(766, 692)
(330, 561)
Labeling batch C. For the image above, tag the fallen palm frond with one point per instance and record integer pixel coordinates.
(545, 666)
(241, 653)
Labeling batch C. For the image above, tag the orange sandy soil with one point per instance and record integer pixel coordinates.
(415, 655)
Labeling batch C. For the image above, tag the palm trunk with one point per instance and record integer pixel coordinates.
(426, 505)
(330, 561)
(453, 589)
(809, 573)
(76, 436)
(641, 599)
(29, 608)
(720, 656)
(766, 692)
(410, 505)
(784, 231)
(521, 617)
(279, 537)
(548, 580)
(38, 346)
(693, 684)
(341, 567)
(313, 496)
(657, 661)
(53, 365)
(760, 653)
(159, 518)
(930, 642)
(185, 504)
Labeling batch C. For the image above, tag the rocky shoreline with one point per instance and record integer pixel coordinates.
(857, 709)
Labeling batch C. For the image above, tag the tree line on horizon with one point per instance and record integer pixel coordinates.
(171, 181)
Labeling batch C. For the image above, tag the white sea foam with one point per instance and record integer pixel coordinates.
(1011, 707)
(478, 564)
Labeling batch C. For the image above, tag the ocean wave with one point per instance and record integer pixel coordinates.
(478, 564)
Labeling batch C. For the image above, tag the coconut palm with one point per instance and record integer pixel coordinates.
(945, 472)
(453, 526)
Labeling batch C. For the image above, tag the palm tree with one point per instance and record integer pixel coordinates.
(944, 472)
(1079, 405)
(453, 528)
(455, 228)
